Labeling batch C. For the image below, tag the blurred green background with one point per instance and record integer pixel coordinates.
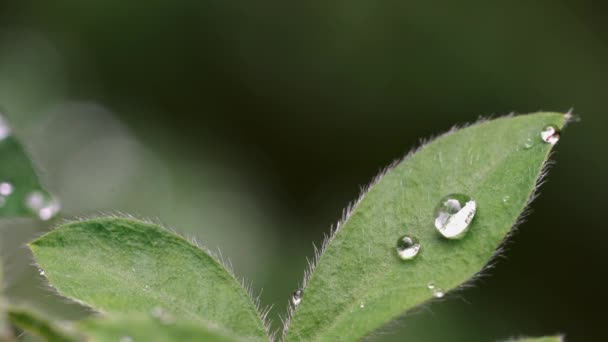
(251, 124)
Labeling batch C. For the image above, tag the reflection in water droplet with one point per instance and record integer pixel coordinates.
(550, 134)
(6, 188)
(46, 207)
(5, 128)
(296, 297)
(438, 293)
(407, 247)
(454, 214)
(430, 285)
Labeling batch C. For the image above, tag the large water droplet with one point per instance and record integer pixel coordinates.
(296, 297)
(550, 134)
(408, 247)
(5, 128)
(45, 206)
(454, 214)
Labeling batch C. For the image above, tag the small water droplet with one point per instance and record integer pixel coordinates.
(453, 215)
(528, 144)
(438, 293)
(6, 189)
(45, 206)
(126, 339)
(296, 297)
(160, 314)
(506, 199)
(408, 247)
(5, 128)
(362, 305)
(430, 285)
(550, 134)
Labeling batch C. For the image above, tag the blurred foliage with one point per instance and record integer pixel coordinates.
(258, 121)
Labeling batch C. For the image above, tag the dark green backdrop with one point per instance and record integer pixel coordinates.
(267, 116)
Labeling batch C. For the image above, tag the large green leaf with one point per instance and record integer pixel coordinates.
(21, 193)
(359, 283)
(148, 329)
(126, 266)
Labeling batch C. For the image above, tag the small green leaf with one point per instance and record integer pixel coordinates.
(21, 193)
(539, 339)
(39, 326)
(125, 266)
(130, 328)
(359, 282)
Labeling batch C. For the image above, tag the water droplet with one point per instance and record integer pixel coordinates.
(430, 285)
(5, 128)
(126, 339)
(6, 189)
(408, 247)
(550, 134)
(438, 293)
(160, 314)
(296, 297)
(528, 144)
(506, 199)
(454, 214)
(45, 206)
(362, 305)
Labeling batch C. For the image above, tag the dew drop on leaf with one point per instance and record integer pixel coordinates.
(5, 128)
(550, 134)
(454, 214)
(44, 206)
(296, 297)
(438, 293)
(407, 247)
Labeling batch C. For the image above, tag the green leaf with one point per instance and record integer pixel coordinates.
(146, 329)
(359, 283)
(539, 339)
(41, 327)
(19, 182)
(125, 266)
